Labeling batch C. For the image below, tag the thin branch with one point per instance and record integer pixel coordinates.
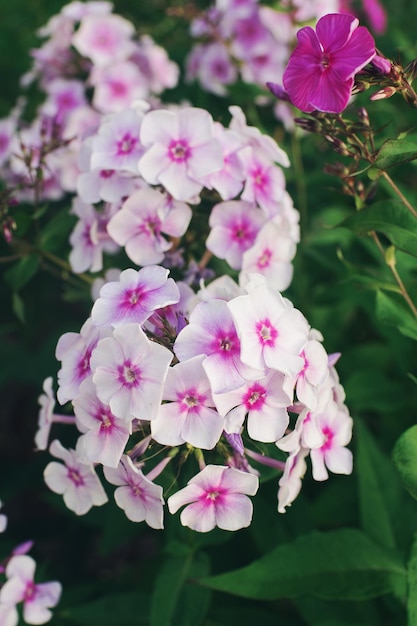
(399, 194)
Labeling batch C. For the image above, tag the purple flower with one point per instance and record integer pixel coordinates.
(320, 72)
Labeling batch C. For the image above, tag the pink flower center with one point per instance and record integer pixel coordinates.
(226, 343)
(328, 438)
(75, 476)
(137, 490)
(325, 61)
(126, 144)
(213, 496)
(106, 173)
(4, 142)
(265, 258)
(254, 398)
(179, 150)
(105, 416)
(83, 367)
(128, 374)
(191, 400)
(30, 591)
(260, 179)
(267, 333)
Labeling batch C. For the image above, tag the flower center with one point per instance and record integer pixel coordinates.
(264, 259)
(325, 61)
(179, 151)
(75, 476)
(126, 144)
(254, 398)
(266, 332)
(128, 374)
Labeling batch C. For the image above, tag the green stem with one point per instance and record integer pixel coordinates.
(399, 193)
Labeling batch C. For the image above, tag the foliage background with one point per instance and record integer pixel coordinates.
(116, 572)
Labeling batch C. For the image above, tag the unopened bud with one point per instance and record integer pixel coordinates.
(384, 93)
(363, 116)
(390, 256)
(382, 64)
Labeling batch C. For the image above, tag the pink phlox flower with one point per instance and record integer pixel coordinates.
(47, 406)
(265, 147)
(265, 403)
(3, 520)
(142, 219)
(271, 256)
(117, 146)
(376, 14)
(63, 97)
(189, 414)
(129, 372)
(216, 496)
(76, 10)
(335, 427)
(74, 350)
(211, 332)
(212, 65)
(265, 182)
(134, 297)
(153, 61)
(181, 150)
(291, 480)
(7, 131)
(20, 586)
(116, 86)
(229, 180)
(321, 70)
(90, 239)
(110, 275)
(272, 332)
(139, 497)
(76, 481)
(173, 317)
(105, 436)
(221, 288)
(313, 374)
(234, 227)
(104, 38)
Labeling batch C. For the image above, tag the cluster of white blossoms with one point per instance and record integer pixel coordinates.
(159, 372)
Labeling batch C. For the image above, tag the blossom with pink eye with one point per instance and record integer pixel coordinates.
(20, 586)
(134, 297)
(63, 97)
(138, 496)
(271, 331)
(321, 70)
(291, 480)
(217, 496)
(76, 481)
(129, 373)
(189, 414)
(264, 401)
(105, 436)
(213, 67)
(234, 227)
(181, 150)
(142, 219)
(265, 182)
(211, 332)
(314, 372)
(229, 180)
(104, 38)
(117, 85)
(116, 146)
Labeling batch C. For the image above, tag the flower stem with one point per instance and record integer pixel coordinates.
(399, 193)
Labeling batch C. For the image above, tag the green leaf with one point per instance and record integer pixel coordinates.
(405, 458)
(391, 310)
(391, 218)
(396, 151)
(375, 474)
(123, 609)
(18, 307)
(55, 234)
(170, 591)
(21, 273)
(412, 586)
(341, 564)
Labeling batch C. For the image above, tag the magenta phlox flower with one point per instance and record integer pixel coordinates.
(335, 426)
(138, 496)
(189, 414)
(129, 372)
(142, 219)
(212, 332)
(105, 436)
(272, 332)
(181, 150)
(264, 401)
(321, 70)
(76, 481)
(134, 297)
(217, 496)
(314, 372)
(20, 586)
(116, 146)
(74, 350)
(234, 227)
(104, 38)
(271, 256)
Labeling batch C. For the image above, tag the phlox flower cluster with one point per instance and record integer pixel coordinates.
(19, 587)
(160, 373)
(90, 63)
(145, 174)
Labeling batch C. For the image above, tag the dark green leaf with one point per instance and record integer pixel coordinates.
(391, 310)
(412, 586)
(21, 273)
(391, 218)
(396, 151)
(18, 307)
(342, 564)
(123, 609)
(405, 458)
